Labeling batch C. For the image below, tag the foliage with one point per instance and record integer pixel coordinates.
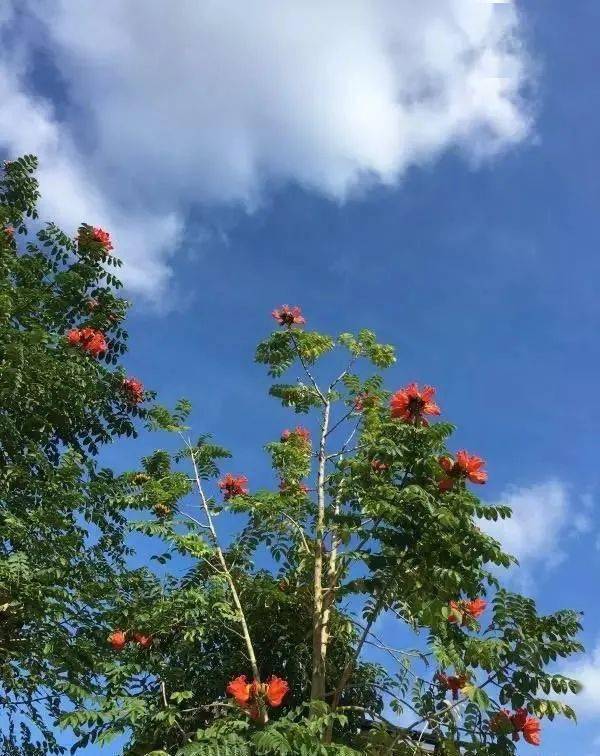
(359, 525)
(61, 516)
(372, 516)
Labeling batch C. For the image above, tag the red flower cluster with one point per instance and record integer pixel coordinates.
(250, 695)
(118, 639)
(469, 609)
(233, 485)
(378, 466)
(102, 237)
(452, 683)
(95, 236)
(466, 466)
(302, 434)
(517, 723)
(9, 231)
(289, 316)
(143, 640)
(411, 404)
(90, 340)
(134, 390)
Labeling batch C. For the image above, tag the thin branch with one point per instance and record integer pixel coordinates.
(194, 520)
(307, 371)
(340, 421)
(300, 529)
(433, 718)
(343, 373)
(351, 664)
(226, 572)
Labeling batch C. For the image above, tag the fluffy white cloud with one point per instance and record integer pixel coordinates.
(541, 518)
(586, 669)
(217, 101)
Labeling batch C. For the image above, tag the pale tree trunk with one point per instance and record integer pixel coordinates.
(320, 637)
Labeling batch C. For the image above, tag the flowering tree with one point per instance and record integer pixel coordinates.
(371, 514)
(262, 647)
(63, 395)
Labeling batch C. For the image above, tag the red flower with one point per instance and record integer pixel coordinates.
(117, 639)
(466, 466)
(289, 316)
(93, 341)
(302, 434)
(134, 389)
(470, 609)
(90, 340)
(411, 404)
(476, 607)
(232, 485)
(248, 695)
(452, 683)
(102, 237)
(9, 231)
(74, 336)
(145, 641)
(532, 731)
(276, 690)
(378, 466)
(515, 724)
(240, 689)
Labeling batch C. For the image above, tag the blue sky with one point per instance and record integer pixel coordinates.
(473, 248)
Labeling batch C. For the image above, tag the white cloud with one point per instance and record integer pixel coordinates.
(216, 102)
(535, 532)
(586, 669)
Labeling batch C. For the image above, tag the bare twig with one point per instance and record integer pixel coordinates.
(307, 371)
(226, 572)
(300, 529)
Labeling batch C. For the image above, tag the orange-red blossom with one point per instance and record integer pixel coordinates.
(233, 485)
(289, 316)
(466, 466)
(91, 340)
(134, 389)
(411, 404)
(117, 640)
(469, 609)
(453, 683)
(143, 640)
(516, 724)
(97, 236)
(249, 695)
(300, 433)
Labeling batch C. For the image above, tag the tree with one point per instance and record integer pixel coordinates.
(63, 395)
(373, 515)
(261, 646)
